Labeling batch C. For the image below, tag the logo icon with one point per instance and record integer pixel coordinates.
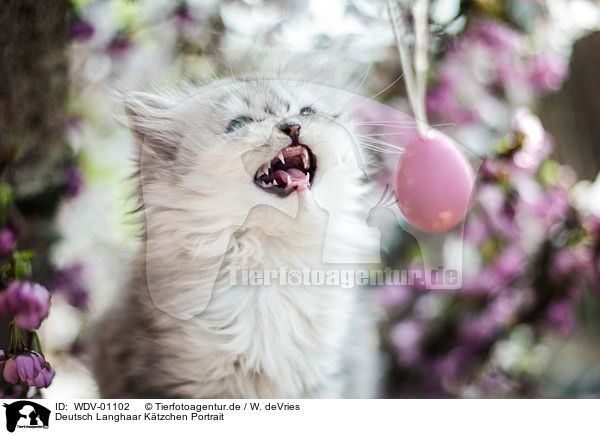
(26, 414)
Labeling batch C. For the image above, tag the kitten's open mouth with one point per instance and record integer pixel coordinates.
(293, 168)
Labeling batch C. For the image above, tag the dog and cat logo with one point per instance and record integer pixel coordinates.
(26, 415)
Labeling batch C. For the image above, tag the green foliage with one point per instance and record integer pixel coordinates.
(7, 198)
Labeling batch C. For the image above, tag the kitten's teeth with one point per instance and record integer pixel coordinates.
(275, 183)
(264, 169)
(305, 158)
(280, 156)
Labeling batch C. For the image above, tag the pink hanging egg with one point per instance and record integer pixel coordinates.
(433, 182)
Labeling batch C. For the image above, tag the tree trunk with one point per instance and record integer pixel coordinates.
(33, 91)
(572, 114)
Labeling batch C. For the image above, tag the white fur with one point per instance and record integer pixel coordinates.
(203, 213)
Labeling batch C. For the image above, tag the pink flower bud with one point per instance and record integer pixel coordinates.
(10, 371)
(44, 378)
(26, 368)
(39, 361)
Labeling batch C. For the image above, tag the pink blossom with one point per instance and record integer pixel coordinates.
(511, 262)
(7, 241)
(81, 30)
(406, 337)
(29, 303)
(497, 36)
(561, 316)
(74, 181)
(30, 368)
(44, 378)
(534, 143)
(552, 206)
(547, 72)
(394, 296)
(442, 100)
(476, 230)
(120, 45)
(479, 329)
(184, 15)
(70, 282)
(10, 372)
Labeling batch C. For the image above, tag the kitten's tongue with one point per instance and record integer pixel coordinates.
(295, 173)
(292, 178)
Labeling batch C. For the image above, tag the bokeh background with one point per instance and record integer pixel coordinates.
(514, 82)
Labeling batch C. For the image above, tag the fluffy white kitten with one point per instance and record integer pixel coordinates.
(217, 195)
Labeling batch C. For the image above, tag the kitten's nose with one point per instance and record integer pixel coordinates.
(292, 129)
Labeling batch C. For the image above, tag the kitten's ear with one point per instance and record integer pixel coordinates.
(151, 119)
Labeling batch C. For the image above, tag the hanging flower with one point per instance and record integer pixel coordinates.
(29, 303)
(31, 368)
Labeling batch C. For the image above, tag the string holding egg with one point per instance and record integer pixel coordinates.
(433, 180)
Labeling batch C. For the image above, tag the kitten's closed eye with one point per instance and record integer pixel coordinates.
(238, 122)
